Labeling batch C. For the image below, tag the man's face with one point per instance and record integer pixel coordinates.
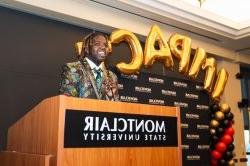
(99, 49)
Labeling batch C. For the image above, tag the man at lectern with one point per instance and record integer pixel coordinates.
(88, 77)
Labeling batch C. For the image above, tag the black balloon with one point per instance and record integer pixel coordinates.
(230, 116)
(222, 162)
(212, 146)
(214, 139)
(224, 123)
(212, 116)
(214, 107)
(219, 131)
(230, 147)
(228, 155)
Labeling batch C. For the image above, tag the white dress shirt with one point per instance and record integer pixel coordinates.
(94, 66)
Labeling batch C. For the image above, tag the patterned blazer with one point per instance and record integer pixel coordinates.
(78, 80)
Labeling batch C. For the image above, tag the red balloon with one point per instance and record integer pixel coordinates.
(215, 154)
(229, 131)
(221, 147)
(227, 139)
(214, 162)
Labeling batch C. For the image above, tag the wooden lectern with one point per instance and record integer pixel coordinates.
(37, 139)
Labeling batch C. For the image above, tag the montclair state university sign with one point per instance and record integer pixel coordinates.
(105, 129)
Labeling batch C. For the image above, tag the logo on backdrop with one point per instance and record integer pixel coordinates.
(192, 116)
(194, 157)
(203, 147)
(180, 104)
(156, 101)
(202, 107)
(191, 96)
(186, 147)
(198, 87)
(105, 129)
(180, 84)
(156, 80)
(193, 136)
(142, 89)
(202, 126)
(129, 99)
(184, 126)
(168, 92)
(120, 86)
(131, 77)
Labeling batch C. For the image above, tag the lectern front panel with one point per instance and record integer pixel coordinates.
(103, 133)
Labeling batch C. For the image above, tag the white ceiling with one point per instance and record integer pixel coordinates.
(225, 22)
(234, 10)
(210, 23)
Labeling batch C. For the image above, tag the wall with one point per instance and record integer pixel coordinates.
(32, 51)
(231, 96)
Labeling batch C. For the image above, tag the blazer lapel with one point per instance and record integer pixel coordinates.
(90, 75)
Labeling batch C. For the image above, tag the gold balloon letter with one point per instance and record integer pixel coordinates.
(151, 54)
(220, 84)
(180, 46)
(78, 49)
(199, 59)
(210, 66)
(135, 46)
